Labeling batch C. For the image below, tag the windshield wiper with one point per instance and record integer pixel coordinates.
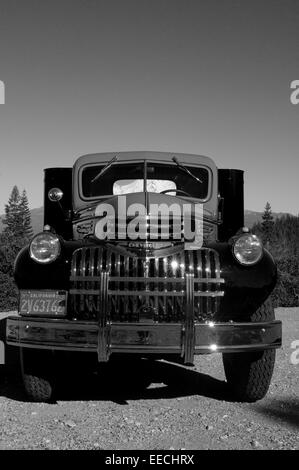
(103, 171)
(183, 168)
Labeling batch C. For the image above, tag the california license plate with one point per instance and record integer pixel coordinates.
(48, 303)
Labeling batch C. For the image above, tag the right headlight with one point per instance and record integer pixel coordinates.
(248, 249)
(45, 247)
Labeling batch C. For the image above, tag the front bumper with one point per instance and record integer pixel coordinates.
(142, 338)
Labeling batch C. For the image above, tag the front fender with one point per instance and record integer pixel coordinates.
(246, 287)
(29, 274)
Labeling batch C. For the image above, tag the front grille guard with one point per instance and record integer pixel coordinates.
(98, 287)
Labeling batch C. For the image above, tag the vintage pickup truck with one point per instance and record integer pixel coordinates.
(144, 255)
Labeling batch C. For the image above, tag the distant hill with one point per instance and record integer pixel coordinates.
(252, 217)
(37, 217)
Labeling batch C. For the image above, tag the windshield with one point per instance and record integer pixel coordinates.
(125, 178)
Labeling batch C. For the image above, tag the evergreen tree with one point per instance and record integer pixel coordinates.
(17, 216)
(16, 234)
(13, 217)
(8, 289)
(24, 208)
(267, 225)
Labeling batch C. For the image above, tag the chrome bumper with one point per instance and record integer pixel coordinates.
(142, 338)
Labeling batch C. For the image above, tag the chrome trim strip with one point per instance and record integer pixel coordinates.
(104, 329)
(208, 275)
(146, 280)
(188, 329)
(146, 293)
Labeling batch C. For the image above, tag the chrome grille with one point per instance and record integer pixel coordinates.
(136, 284)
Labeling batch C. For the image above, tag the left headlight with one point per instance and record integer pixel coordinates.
(248, 249)
(45, 247)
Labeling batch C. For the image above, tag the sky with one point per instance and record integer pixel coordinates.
(193, 76)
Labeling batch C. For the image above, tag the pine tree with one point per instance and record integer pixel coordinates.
(24, 207)
(15, 236)
(267, 225)
(13, 217)
(17, 216)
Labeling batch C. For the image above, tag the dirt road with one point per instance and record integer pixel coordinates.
(192, 412)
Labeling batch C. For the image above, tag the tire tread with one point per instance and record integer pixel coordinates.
(249, 374)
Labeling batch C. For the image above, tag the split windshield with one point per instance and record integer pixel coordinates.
(125, 178)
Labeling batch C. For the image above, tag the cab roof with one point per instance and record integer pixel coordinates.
(143, 155)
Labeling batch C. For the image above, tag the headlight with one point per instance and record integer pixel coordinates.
(248, 249)
(45, 247)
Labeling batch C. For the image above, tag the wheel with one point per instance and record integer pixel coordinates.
(37, 375)
(38, 388)
(249, 374)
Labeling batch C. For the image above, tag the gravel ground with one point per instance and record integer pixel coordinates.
(193, 413)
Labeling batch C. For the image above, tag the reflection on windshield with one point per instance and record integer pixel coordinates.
(136, 186)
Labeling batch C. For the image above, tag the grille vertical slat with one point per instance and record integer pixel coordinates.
(156, 274)
(125, 267)
(208, 286)
(200, 275)
(164, 297)
(135, 275)
(117, 284)
(99, 268)
(74, 273)
(88, 263)
(218, 276)
(82, 268)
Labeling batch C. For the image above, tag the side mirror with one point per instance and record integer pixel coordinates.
(55, 194)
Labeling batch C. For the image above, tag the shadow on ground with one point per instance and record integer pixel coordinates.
(161, 380)
(285, 411)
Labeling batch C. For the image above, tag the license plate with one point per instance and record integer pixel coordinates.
(48, 303)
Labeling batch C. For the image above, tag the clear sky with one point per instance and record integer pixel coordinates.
(196, 76)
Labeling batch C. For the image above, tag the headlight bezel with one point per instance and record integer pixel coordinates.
(56, 245)
(238, 255)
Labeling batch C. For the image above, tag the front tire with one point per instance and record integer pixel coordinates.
(249, 374)
(38, 389)
(37, 375)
